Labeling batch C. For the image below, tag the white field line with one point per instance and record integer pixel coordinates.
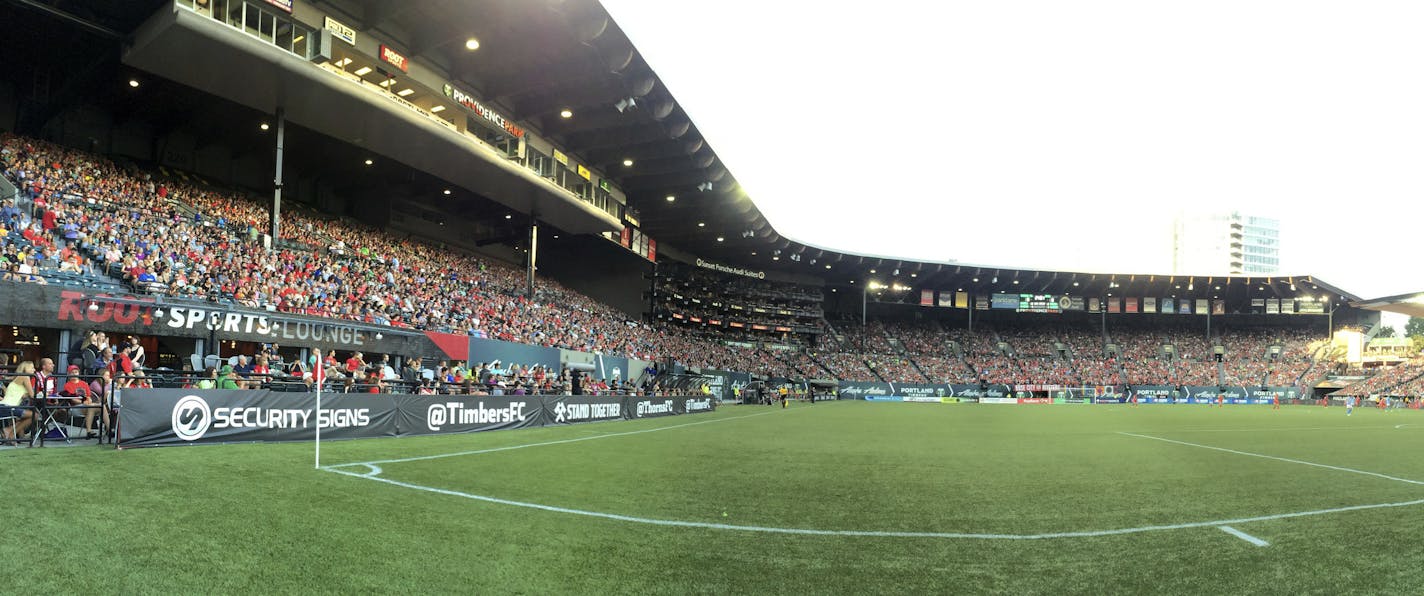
(375, 472)
(1284, 459)
(1244, 536)
(559, 442)
(1262, 430)
(863, 533)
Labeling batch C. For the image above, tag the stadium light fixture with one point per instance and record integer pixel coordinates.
(976, 280)
(1075, 284)
(914, 275)
(343, 62)
(388, 82)
(776, 258)
(828, 266)
(1016, 282)
(719, 238)
(447, 192)
(472, 44)
(369, 162)
(701, 224)
(363, 71)
(133, 83)
(671, 198)
(872, 271)
(263, 126)
(627, 162)
(405, 92)
(566, 113)
(437, 109)
(508, 216)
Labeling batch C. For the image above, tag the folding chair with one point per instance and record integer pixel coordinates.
(12, 423)
(46, 414)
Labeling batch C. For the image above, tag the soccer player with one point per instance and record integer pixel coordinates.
(1275, 401)
(1221, 400)
(1349, 404)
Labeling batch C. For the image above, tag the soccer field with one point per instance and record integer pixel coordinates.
(843, 497)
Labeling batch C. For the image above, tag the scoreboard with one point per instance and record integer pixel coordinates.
(1048, 303)
(1039, 303)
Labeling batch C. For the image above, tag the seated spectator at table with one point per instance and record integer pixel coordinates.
(210, 380)
(226, 378)
(79, 390)
(19, 395)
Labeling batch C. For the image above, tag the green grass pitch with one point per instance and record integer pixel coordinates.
(260, 519)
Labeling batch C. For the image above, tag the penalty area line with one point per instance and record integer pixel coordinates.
(1244, 536)
(1284, 459)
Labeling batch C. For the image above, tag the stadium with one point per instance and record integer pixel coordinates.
(276, 270)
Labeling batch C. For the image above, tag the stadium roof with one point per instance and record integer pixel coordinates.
(539, 57)
(1405, 304)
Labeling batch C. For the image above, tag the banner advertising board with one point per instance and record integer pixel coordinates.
(152, 417)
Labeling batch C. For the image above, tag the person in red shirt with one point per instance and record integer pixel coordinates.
(79, 391)
(355, 363)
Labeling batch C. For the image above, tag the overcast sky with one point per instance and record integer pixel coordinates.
(935, 129)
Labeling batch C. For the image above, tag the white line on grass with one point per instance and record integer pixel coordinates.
(868, 533)
(1244, 536)
(560, 442)
(1260, 430)
(1284, 459)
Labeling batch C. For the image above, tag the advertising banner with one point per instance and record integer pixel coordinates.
(927, 297)
(859, 390)
(572, 409)
(1005, 301)
(152, 417)
(998, 400)
(1149, 304)
(1095, 305)
(1113, 305)
(946, 299)
(1201, 307)
(961, 300)
(1131, 304)
(990, 390)
(1169, 306)
(981, 303)
(175, 417)
(443, 414)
